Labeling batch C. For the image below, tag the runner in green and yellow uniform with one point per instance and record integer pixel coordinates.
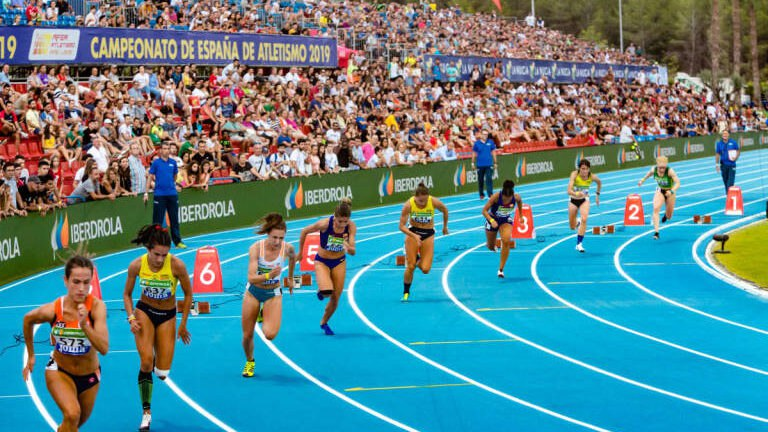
(668, 184)
(578, 206)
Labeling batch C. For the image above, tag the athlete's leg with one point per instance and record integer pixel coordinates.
(584, 212)
(145, 338)
(411, 250)
(324, 281)
(165, 344)
(506, 233)
(670, 206)
(572, 212)
(87, 400)
(64, 392)
(250, 311)
(490, 239)
(338, 275)
(658, 201)
(273, 314)
(427, 253)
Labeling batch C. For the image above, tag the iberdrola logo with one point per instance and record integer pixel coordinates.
(294, 198)
(656, 151)
(60, 233)
(579, 157)
(386, 185)
(621, 157)
(459, 177)
(520, 167)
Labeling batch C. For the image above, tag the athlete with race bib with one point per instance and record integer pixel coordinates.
(78, 330)
(499, 214)
(337, 238)
(668, 184)
(419, 213)
(265, 265)
(578, 205)
(153, 321)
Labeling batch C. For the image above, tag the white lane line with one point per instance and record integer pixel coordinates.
(587, 282)
(713, 268)
(327, 388)
(172, 385)
(449, 293)
(14, 396)
(617, 264)
(31, 387)
(397, 343)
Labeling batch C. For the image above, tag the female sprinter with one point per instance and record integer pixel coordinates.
(419, 236)
(153, 321)
(578, 190)
(499, 216)
(337, 238)
(78, 322)
(265, 264)
(668, 183)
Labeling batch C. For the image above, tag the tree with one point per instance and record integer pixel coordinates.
(753, 48)
(736, 22)
(714, 45)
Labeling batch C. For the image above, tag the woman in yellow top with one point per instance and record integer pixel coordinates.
(78, 323)
(153, 321)
(419, 213)
(578, 191)
(266, 263)
(668, 183)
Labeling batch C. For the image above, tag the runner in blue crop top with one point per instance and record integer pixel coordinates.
(499, 217)
(337, 238)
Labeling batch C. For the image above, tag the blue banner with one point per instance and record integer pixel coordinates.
(521, 70)
(86, 45)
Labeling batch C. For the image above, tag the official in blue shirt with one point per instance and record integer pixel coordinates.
(483, 150)
(163, 173)
(726, 154)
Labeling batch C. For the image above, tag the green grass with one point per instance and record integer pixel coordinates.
(749, 254)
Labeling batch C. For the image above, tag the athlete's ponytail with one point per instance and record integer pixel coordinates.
(421, 190)
(269, 222)
(77, 261)
(153, 235)
(508, 188)
(344, 209)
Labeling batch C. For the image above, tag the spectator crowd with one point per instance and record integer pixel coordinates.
(240, 123)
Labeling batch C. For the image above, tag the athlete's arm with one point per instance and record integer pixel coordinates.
(404, 220)
(519, 204)
(291, 264)
(444, 210)
(180, 272)
(675, 180)
(350, 241)
(130, 281)
(488, 205)
(571, 180)
(320, 225)
(42, 314)
(97, 332)
(642, 180)
(599, 182)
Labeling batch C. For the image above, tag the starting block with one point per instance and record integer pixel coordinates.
(400, 260)
(511, 244)
(702, 219)
(298, 281)
(306, 279)
(605, 229)
(203, 307)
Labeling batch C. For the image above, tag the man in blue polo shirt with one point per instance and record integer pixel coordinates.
(163, 173)
(484, 150)
(726, 154)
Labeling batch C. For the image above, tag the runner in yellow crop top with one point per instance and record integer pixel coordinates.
(153, 321)
(578, 205)
(419, 213)
(78, 330)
